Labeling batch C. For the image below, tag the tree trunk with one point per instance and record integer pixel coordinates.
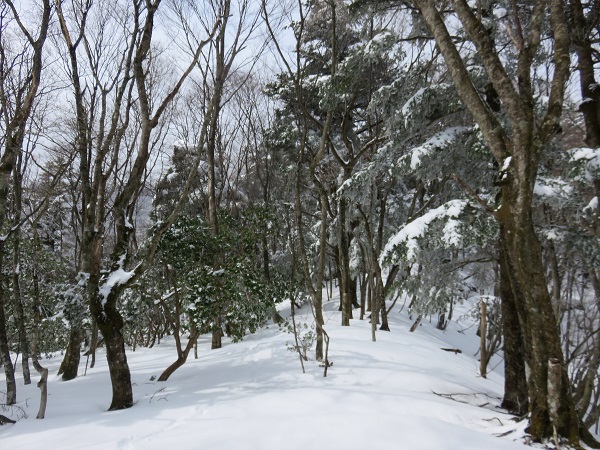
(217, 337)
(21, 326)
(373, 303)
(93, 343)
(537, 320)
(70, 363)
(483, 356)
(37, 302)
(9, 371)
(515, 382)
(17, 297)
(344, 264)
(43, 385)
(363, 295)
(181, 359)
(110, 323)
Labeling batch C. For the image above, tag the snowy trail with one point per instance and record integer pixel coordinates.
(253, 395)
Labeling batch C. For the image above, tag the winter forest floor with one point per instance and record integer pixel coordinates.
(253, 395)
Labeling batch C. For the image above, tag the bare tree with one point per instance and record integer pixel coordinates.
(21, 62)
(113, 172)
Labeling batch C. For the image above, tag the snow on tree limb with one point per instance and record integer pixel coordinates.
(409, 235)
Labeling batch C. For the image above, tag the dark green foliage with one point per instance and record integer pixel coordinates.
(238, 292)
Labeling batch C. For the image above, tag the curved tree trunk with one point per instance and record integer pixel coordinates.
(181, 359)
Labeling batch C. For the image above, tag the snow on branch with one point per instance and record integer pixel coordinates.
(587, 161)
(115, 278)
(409, 235)
(438, 141)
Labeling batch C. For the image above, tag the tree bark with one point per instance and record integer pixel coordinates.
(538, 325)
(20, 314)
(181, 358)
(70, 363)
(43, 385)
(93, 343)
(344, 264)
(9, 371)
(515, 382)
(483, 357)
(110, 323)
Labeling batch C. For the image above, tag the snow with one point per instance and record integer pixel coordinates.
(592, 205)
(585, 153)
(373, 47)
(552, 187)
(117, 277)
(393, 393)
(418, 227)
(128, 223)
(437, 141)
(412, 103)
(590, 158)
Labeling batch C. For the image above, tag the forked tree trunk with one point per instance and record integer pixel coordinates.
(538, 323)
(181, 358)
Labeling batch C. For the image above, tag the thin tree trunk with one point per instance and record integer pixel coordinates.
(363, 295)
(344, 263)
(20, 319)
(43, 385)
(556, 280)
(483, 357)
(17, 297)
(93, 343)
(9, 371)
(182, 357)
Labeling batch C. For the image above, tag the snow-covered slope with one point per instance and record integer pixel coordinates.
(253, 395)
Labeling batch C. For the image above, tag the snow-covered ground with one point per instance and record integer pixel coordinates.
(394, 394)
